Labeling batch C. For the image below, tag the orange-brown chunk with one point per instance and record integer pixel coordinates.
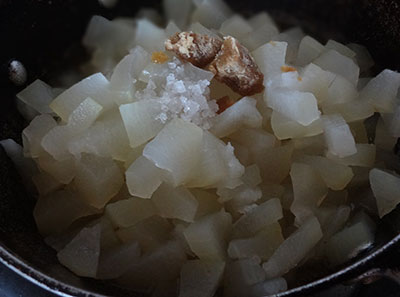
(235, 67)
(286, 68)
(224, 103)
(197, 49)
(159, 57)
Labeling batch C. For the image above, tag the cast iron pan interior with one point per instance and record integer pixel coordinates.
(45, 35)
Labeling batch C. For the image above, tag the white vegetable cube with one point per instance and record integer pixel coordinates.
(298, 106)
(241, 275)
(149, 36)
(211, 13)
(84, 115)
(294, 248)
(315, 80)
(309, 191)
(235, 26)
(107, 137)
(143, 178)
(150, 14)
(172, 28)
(270, 58)
(335, 175)
(175, 203)
(200, 29)
(95, 86)
(244, 272)
(340, 48)
(385, 187)
(263, 215)
(309, 50)
(285, 128)
(126, 72)
(55, 142)
(177, 11)
(365, 156)
(33, 134)
(347, 243)
(235, 169)
(63, 171)
(81, 255)
(339, 64)
(207, 237)
(251, 176)
(27, 112)
(110, 36)
(150, 233)
(38, 96)
(351, 111)
(260, 19)
(381, 91)
(341, 90)
(241, 114)
(269, 287)
(54, 213)
(128, 212)
(140, 120)
(335, 221)
(261, 245)
(200, 278)
(293, 37)
(115, 261)
(338, 137)
(240, 198)
(176, 149)
(218, 164)
(256, 140)
(260, 36)
(274, 163)
(363, 57)
(97, 179)
(212, 167)
(207, 202)
(160, 265)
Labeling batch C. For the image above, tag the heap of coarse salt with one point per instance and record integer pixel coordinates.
(183, 91)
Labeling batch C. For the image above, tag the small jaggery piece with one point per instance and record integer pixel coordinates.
(235, 67)
(223, 103)
(159, 57)
(286, 68)
(198, 49)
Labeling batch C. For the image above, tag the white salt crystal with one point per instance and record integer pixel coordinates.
(183, 92)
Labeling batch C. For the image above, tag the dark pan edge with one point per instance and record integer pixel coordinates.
(346, 274)
(40, 279)
(61, 289)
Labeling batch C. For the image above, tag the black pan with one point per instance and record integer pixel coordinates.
(44, 35)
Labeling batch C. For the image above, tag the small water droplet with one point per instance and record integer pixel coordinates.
(17, 73)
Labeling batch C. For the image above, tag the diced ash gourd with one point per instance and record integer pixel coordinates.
(217, 153)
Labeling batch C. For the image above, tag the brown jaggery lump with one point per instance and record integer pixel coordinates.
(235, 67)
(198, 49)
(224, 103)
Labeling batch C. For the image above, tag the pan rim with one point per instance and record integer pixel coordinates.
(46, 282)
